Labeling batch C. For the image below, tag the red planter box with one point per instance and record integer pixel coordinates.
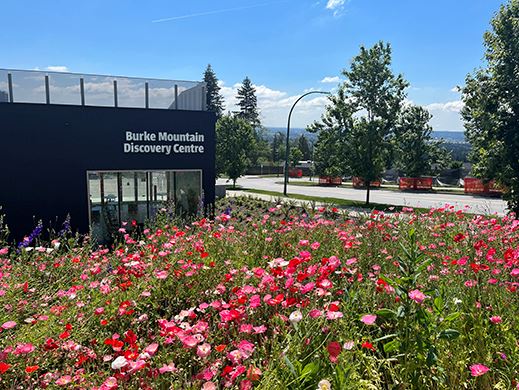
(416, 183)
(476, 186)
(358, 182)
(330, 181)
(295, 172)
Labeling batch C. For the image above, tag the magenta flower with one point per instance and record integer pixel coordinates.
(417, 296)
(496, 319)
(369, 319)
(8, 325)
(478, 369)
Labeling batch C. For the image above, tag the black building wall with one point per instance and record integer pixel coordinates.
(46, 150)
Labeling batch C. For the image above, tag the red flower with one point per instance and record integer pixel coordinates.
(334, 349)
(368, 345)
(30, 369)
(4, 367)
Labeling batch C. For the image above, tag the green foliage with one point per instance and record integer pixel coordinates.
(214, 102)
(295, 156)
(248, 103)
(491, 112)
(361, 116)
(304, 146)
(415, 151)
(278, 147)
(234, 143)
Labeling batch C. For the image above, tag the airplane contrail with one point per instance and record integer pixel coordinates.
(219, 11)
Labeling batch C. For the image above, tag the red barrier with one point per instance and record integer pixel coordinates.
(476, 186)
(415, 183)
(330, 180)
(295, 172)
(358, 182)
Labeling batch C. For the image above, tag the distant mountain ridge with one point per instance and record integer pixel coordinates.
(448, 136)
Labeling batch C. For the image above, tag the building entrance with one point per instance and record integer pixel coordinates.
(136, 196)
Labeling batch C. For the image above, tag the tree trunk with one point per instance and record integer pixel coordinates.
(368, 185)
(233, 184)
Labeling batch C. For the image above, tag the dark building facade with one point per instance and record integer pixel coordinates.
(102, 166)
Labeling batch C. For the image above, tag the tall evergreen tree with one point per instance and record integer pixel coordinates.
(278, 147)
(214, 100)
(491, 111)
(304, 147)
(248, 103)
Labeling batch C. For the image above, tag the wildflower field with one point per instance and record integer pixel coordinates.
(268, 297)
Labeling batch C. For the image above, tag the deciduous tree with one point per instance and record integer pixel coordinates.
(491, 112)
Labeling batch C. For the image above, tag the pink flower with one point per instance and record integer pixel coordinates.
(369, 319)
(209, 386)
(315, 313)
(496, 319)
(22, 349)
(333, 315)
(348, 345)
(8, 325)
(151, 349)
(417, 296)
(64, 380)
(478, 369)
(169, 368)
(161, 274)
(203, 350)
(109, 383)
(189, 341)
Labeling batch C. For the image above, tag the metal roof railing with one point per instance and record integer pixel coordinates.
(46, 87)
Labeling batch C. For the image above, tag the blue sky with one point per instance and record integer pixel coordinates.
(286, 47)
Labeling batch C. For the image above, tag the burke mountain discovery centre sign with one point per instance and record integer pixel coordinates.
(170, 142)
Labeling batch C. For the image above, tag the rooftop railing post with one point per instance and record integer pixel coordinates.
(10, 87)
(116, 103)
(47, 89)
(82, 90)
(146, 95)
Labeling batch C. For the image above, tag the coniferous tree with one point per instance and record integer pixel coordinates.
(304, 147)
(248, 103)
(214, 100)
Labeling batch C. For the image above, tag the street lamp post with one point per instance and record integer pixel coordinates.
(287, 153)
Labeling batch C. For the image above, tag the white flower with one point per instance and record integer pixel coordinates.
(119, 363)
(324, 385)
(295, 317)
(457, 301)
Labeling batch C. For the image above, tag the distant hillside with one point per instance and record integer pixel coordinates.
(448, 136)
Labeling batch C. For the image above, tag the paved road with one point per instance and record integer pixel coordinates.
(477, 204)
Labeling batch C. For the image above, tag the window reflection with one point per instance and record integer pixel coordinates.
(136, 196)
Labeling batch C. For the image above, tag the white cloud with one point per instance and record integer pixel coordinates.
(337, 6)
(334, 4)
(446, 115)
(455, 89)
(454, 106)
(330, 79)
(274, 105)
(57, 68)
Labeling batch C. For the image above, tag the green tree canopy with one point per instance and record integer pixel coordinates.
(248, 103)
(416, 153)
(234, 142)
(491, 112)
(214, 101)
(304, 146)
(278, 147)
(362, 115)
(295, 156)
